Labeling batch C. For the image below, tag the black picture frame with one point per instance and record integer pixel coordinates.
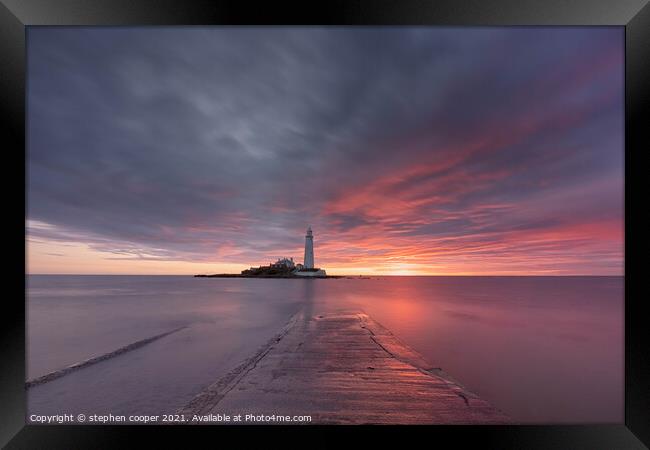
(634, 15)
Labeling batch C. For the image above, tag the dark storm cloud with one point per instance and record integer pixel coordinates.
(218, 143)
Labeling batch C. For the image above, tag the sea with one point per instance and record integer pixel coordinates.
(541, 349)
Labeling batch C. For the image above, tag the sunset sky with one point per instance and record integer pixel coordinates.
(410, 151)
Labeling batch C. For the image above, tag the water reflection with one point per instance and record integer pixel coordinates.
(542, 349)
(308, 297)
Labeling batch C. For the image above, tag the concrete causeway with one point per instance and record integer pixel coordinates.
(342, 368)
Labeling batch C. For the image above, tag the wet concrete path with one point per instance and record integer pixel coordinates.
(342, 368)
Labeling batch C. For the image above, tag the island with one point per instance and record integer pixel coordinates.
(283, 267)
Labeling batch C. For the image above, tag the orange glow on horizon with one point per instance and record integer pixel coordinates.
(78, 258)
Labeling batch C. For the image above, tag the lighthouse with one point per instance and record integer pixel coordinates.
(307, 269)
(309, 249)
(286, 268)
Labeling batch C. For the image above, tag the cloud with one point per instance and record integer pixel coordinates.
(212, 144)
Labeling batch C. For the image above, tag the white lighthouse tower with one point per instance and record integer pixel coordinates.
(309, 249)
(308, 269)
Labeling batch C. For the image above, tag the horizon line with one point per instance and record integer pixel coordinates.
(338, 275)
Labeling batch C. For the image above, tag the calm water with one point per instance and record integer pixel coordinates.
(542, 349)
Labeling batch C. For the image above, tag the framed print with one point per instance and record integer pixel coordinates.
(357, 217)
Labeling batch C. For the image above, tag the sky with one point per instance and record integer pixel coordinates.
(410, 151)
